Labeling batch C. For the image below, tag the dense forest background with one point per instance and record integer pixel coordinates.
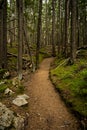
(60, 24)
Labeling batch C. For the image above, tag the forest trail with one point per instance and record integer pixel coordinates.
(46, 109)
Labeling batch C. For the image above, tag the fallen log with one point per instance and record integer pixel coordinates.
(14, 55)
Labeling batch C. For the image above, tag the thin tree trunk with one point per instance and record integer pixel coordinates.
(20, 36)
(38, 33)
(67, 2)
(73, 31)
(3, 33)
(53, 28)
(1, 36)
(59, 28)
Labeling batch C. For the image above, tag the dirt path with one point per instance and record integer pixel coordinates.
(47, 111)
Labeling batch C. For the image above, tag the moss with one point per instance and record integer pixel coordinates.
(12, 49)
(3, 87)
(71, 81)
(20, 89)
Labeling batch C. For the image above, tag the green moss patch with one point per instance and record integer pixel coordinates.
(71, 81)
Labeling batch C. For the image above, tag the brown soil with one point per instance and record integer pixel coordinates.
(46, 109)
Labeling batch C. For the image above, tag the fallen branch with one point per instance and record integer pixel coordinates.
(14, 55)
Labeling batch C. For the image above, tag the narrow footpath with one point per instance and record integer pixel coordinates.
(46, 109)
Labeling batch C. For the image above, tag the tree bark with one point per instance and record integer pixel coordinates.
(73, 31)
(53, 28)
(20, 35)
(38, 33)
(3, 32)
(67, 2)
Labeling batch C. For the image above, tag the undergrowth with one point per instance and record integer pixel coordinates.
(71, 81)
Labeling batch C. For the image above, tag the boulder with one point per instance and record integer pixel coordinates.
(6, 117)
(10, 120)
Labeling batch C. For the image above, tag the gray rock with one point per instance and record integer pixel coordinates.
(6, 116)
(2, 82)
(8, 92)
(15, 82)
(23, 96)
(11, 121)
(6, 75)
(20, 101)
(2, 128)
(19, 123)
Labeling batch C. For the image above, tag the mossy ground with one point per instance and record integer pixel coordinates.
(71, 81)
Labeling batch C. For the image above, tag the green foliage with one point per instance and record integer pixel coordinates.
(13, 49)
(71, 80)
(2, 88)
(5, 84)
(20, 89)
(2, 71)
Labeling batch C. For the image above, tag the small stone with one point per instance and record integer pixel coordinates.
(23, 96)
(2, 82)
(20, 101)
(38, 114)
(8, 92)
(15, 81)
(6, 75)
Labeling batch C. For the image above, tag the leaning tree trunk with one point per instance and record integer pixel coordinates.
(38, 33)
(20, 35)
(73, 31)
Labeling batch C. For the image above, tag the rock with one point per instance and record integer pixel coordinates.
(8, 92)
(15, 82)
(19, 123)
(23, 96)
(2, 128)
(2, 82)
(6, 75)
(6, 117)
(10, 120)
(20, 101)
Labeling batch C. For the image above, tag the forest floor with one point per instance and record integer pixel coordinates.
(46, 109)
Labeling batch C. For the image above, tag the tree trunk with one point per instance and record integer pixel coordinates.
(53, 28)
(73, 31)
(3, 32)
(38, 33)
(20, 36)
(1, 35)
(59, 28)
(67, 2)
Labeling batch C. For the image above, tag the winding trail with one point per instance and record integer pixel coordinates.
(47, 110)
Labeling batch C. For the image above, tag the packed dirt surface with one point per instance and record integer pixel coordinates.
(46, 109)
